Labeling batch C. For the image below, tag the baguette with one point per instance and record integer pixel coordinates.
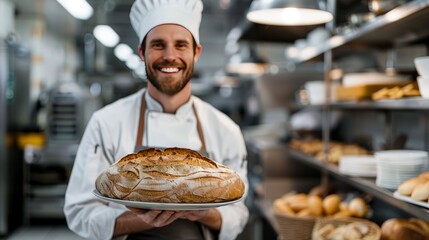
(175, 175)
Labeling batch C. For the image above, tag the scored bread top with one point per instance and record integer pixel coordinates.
(173, 175)
(170, 156)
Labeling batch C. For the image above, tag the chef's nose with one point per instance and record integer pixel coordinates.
(169, 53)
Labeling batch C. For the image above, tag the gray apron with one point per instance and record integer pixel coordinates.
(181, 228)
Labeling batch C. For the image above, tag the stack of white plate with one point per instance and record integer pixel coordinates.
(396, 166)
(358, 165)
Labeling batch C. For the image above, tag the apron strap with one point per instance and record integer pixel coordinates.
(140, 130)
(200, 129)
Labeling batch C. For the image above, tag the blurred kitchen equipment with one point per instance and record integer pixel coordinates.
(4, 206)
(69, 108)
(20, 106)
(247, 62)
(316, 92)
(318, 36)
(311, 120)
(383, 6)
(423, 83)
(358, 19)
(368, 78)
(422, 65)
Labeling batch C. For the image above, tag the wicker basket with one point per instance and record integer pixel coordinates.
(294, 228)
(373, 234)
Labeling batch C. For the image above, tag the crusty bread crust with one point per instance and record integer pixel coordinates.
(174, 175)
(399, 229)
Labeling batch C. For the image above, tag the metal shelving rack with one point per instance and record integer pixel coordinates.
(364, 184)
(409, 104)
(401, 26)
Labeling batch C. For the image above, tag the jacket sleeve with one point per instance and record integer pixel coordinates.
(86, 215)
(235, 216)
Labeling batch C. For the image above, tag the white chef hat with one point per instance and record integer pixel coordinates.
(147, 14)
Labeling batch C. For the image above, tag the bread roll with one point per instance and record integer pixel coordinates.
(421, 192)
(400, 229)
(420, 223)
(175, 175)
(315, 205)
(407, 187)
(358, 207)
(424, 175)
(297, 202)
(331, 204)
(342, 214)
(281, 207)
(304, 213)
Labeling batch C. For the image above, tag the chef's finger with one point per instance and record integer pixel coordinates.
(163, 218)
(174, 217)
(149, 216)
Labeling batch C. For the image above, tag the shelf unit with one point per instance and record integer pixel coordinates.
(403, 25)
(409, 104)
(364, 184)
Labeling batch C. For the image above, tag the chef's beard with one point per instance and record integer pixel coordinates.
(165, 86)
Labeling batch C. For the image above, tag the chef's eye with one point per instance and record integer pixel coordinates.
(182, 45)
(158, 45)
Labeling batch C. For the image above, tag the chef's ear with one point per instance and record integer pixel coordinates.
(141, 53)
(198, 49)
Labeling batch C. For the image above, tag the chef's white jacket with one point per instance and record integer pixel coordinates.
(111, 134)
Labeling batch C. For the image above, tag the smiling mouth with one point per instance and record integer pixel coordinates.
(169, 69)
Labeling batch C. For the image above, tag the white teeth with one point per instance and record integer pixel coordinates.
(169, 70)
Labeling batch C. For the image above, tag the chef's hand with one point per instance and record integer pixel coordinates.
(211, 217)
(156, 218)
(195, 215)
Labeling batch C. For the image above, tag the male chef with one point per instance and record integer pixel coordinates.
(165, 114)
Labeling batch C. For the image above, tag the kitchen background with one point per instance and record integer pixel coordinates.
(55, 71)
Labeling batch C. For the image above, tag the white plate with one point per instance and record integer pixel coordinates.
(165, 206)
(404, 198)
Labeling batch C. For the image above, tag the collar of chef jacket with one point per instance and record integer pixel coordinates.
(170, 130)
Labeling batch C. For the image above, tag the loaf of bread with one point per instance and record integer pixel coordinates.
(400, 229)
(175, 175)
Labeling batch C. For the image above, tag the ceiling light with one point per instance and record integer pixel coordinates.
(133, 62)
(140, 71)
(79, 9)
(106, 35)
(123, 51)
(287, 13)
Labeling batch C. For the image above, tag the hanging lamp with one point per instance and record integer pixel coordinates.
(288, 12)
